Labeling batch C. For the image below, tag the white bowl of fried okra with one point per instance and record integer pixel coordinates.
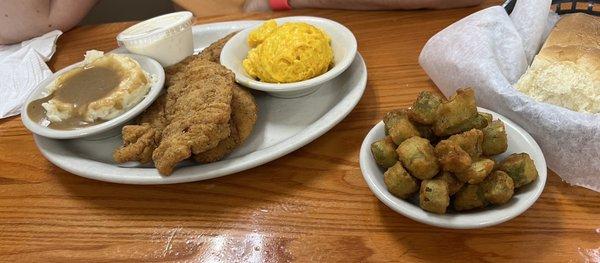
(451, 164)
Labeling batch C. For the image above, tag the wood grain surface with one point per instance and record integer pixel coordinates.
(311, 205)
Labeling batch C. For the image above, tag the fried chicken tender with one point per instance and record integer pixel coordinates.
(213, 52)
(198, 109)
(203, 114)
(141, 140)
(243, 117)
(194, 118)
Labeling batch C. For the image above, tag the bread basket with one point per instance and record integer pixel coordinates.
(561, 7)
(490, 50)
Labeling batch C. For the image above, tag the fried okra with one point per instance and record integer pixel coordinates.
(520, 167)
(469, 197)
(498, 188)
(495, 140)
(458, 169)
(384, 152)
(477, 172)
(418, 156)
(452, 157)
(478, 122)
(425, 109)
(399, 182)
(470, 141)
(453, 184)
(459, 109)
(488, 117)
(434, 196)
(427, 133)
(398, 126)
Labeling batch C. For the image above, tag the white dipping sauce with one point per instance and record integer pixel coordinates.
(167, 38)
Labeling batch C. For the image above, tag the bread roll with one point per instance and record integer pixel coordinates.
(566, 72)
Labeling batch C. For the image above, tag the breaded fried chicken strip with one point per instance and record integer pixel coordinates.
(193, 117)
(198, 110)
(243, 117)
(213, 52)
(141, 140)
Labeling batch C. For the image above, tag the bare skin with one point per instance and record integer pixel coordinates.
(263, 5)
(25, 19)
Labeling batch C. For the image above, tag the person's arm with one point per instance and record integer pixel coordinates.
(263, 5)
(25, 19)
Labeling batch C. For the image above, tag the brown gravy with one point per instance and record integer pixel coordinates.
(79, 88)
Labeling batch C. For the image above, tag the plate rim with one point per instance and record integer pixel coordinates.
(443, 221)
(325, 123)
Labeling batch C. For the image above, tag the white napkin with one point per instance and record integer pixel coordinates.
(489, 51)
(22, 67)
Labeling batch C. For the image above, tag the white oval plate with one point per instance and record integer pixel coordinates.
(518, 141)
(283, 126)
(149, 65)
(343, 44)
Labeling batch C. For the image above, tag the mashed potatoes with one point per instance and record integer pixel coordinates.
(106, 87)
(288, 53)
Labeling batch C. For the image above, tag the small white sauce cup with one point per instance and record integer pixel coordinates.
(166, 38)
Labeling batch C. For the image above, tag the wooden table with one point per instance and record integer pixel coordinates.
(311, 205)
